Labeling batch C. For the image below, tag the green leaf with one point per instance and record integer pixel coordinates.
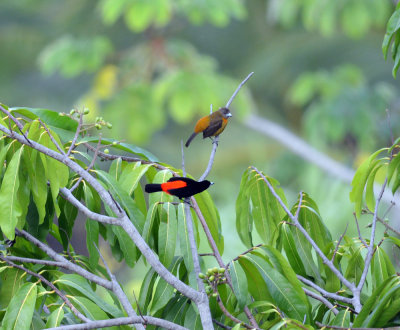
(56, 172)
(184, 243)
(244, 221)
(89, 308)
(374, 300)
(146, 290)
(255, 281)
(290, 248)
(342, 319)
(131, 175)
(211, 215)
(92, 227)
(163, 291)
(283, 267)
(20, 311)
(192, 319)
(127, 246)
(126, 147)
(14, 278)
(360, 179)
(369, 189)
(115, 168)
(55, 318)
(10, 206)
(239, 283)
(381, 267)
(355, 265)
(167, 234)
(284, 294)
(123, 198)
(392, 27)
(80, 284)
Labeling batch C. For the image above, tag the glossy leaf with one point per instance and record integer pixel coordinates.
(146, 290)
(163, 291)
(131, 175)
(55, 318)
(10, 206)
(184, 238)
(290, 248)
(89, 308)
(360, 179)
(167, 234)
(284, 295)
(239, 283)
(82, 286)
(374, 299)
(244, 221)
(381, 267)
(342, 319)
(211, 215)
(9, 275)
(126, 244)
(19, 312)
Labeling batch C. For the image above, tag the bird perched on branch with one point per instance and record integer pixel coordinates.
(179, 186)
(212, 125)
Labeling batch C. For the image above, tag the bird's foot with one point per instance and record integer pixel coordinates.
(214, 141)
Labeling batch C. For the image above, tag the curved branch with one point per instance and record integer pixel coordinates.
(122, 321)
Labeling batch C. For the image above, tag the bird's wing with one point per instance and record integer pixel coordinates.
(214, 126)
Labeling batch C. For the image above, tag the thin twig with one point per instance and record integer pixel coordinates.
(77, 132)
(245, 252)
(229, 315)
(36, 261)
(338, 243)
(216, 140)
(238, 89)
(326, 302)
(77, 313)
(76, 185)
(359, 232)
(16, 121)
(370, 252)
(51, 137)
(324, 293)
(221, 325)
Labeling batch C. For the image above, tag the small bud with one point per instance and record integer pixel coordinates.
(106, 151)
(61, 114)
(86, 111)
(211, 278)
(72, 112)
(223, 279)
(109, 125)
(221, 270)
(215, 270)
(98, 126)
(114, 144)
(97, 119)
(201, 275)
(215, 295)
(209, 271)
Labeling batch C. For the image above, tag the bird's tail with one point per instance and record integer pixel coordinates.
(152, 187)
(190, 139)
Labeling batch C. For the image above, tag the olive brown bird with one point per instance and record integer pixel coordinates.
(179, 186)
(212, 125)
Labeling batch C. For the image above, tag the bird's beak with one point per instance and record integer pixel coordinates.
(229, 115)
(211, 183)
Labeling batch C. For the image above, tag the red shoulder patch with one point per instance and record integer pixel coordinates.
(173, 185)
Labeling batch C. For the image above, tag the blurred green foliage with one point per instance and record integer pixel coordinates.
(329, 97)
(153, 68)
(354, 17)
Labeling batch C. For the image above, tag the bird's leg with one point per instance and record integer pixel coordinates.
(186, 200)
(214, 140)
